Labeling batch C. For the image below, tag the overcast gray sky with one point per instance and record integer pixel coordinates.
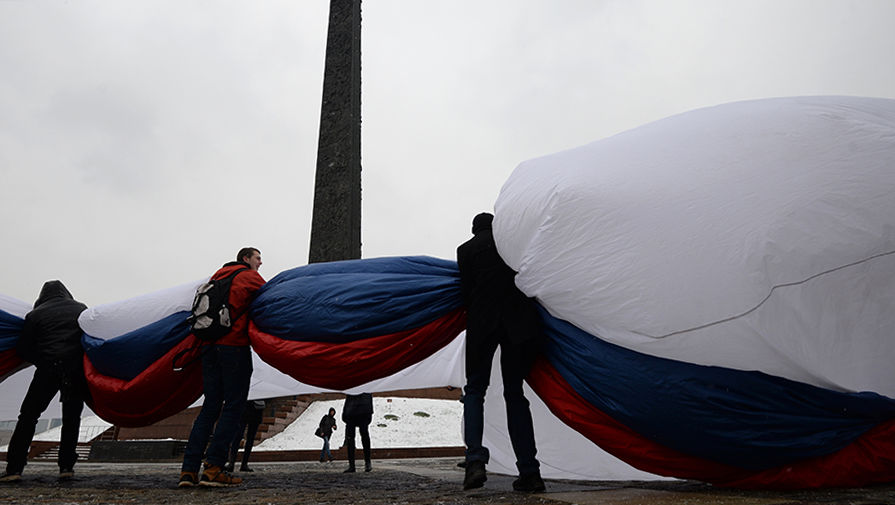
(127, 127)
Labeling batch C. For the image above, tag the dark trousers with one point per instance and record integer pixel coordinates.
(226, 372)
(44, 386)
(362, 423)
(250, 429)
(515, 363)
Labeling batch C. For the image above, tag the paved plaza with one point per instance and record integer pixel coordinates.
(393, 481)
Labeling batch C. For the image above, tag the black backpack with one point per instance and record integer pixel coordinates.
(210, 317)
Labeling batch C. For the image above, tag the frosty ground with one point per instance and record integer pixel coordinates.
(408, 482)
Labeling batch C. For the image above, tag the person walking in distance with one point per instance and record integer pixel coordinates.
(327, 426)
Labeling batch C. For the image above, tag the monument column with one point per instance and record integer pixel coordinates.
(335, 226)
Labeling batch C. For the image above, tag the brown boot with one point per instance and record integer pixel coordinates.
(216, 476)
(188, 479)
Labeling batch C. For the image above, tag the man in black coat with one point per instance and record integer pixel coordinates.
(497, 314)
(251, 419)
(358, 413)
(51, 340)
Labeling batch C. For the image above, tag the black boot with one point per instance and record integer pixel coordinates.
(529, 483)
(475, 475)
(367, 465)
(350, 468)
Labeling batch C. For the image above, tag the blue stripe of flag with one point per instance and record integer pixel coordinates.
(350, 300)
(745, 419)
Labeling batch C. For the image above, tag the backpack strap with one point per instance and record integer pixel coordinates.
(190, 362)
(233, 275)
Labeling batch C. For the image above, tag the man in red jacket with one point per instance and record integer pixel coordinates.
(226, 372)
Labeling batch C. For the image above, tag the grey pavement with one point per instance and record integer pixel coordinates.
(392, 481)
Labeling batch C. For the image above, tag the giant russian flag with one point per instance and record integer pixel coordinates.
(342, 324)
(331, 326)
(716, 291)
(718, 288)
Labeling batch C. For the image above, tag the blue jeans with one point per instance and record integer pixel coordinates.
(515, 363)
(324, 453)
(226, 373)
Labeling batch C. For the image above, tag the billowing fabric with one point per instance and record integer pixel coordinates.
(342, 301)
(156, 393)
(414, 301)
(716, 288)
(867, 460)
(709, 423)
(127, 356)
(342, 324)
(12, 317)
(751, 235)
(729, 427)
(129, 351)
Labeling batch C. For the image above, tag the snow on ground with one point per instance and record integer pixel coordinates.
(397, 422)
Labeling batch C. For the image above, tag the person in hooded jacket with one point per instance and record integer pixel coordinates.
(226, 374)
(51, 340)
(326, 428)
(498, 313)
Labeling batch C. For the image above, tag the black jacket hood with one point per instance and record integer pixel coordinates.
(482, 222)
(51, 290)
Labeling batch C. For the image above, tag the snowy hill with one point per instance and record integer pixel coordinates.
(397, 422)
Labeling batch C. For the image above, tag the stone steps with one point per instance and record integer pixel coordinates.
(52, 453)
